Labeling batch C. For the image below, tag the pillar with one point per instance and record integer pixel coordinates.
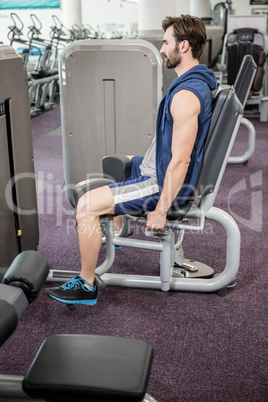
(151, 15)
(200, 8)
(71, 12)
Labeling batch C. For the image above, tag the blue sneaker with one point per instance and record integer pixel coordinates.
(74, 292)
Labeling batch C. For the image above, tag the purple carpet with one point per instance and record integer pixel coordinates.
(207, 348)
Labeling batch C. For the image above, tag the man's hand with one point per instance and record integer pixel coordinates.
(156, 221)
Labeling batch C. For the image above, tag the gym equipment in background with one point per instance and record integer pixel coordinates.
(242, 85)
(175, 272)
(237, 44)
(18, 206)
(110, 92)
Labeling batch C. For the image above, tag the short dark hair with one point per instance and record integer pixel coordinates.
(188, 28)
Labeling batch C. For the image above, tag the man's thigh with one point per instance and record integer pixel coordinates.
(139, 194)
(98, 202)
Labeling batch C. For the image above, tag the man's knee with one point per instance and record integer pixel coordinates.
(83, 210)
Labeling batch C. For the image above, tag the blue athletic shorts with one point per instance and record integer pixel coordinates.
(137, 193)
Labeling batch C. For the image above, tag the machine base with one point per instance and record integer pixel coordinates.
(192, 269)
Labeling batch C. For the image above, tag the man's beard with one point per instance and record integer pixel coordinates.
(174, 59)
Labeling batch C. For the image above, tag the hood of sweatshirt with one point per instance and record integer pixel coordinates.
(200, 72)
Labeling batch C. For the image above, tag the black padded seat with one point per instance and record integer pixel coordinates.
(174, 213)
(84, 186)
(90, 368)
(8, 320)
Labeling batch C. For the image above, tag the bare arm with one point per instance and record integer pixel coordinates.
(185, 109)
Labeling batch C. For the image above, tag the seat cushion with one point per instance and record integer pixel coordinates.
(90, 368)
(174, 213)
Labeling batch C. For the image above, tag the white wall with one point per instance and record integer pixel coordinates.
(183, 7)
(112, 12)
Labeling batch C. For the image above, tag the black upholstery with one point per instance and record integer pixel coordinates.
(20, 285)
(174, 213)
(244, 41)
(90, 368)
(245, 75)
(8, 321)
(117, 168)
(258, 81)
(226, 110)
(28, 271)
(87, 185)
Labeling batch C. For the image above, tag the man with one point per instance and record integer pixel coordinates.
(171, 165)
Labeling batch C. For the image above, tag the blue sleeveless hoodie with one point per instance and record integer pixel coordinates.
(201, 81)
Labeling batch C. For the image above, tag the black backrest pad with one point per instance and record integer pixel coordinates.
(226, 110)
(244, 78)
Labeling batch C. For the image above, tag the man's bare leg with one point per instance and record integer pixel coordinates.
(90, 207)
(77, 291)
(117, 223)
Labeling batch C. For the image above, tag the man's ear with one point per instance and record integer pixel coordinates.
(185, 46)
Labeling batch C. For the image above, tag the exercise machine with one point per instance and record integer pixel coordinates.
(242, 86)
(175, 272)
(85, 119)
(237, 44)
(185, 275)
(40, 56)
(18, 206)
(69, 367)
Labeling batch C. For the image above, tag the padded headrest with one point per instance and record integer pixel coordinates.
(245, 34)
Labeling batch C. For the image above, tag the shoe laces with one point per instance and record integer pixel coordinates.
(75, 282)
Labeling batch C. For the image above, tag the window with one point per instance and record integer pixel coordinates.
(258, 2)
(24, 4)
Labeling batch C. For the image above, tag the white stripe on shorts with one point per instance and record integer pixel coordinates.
(131, 192)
